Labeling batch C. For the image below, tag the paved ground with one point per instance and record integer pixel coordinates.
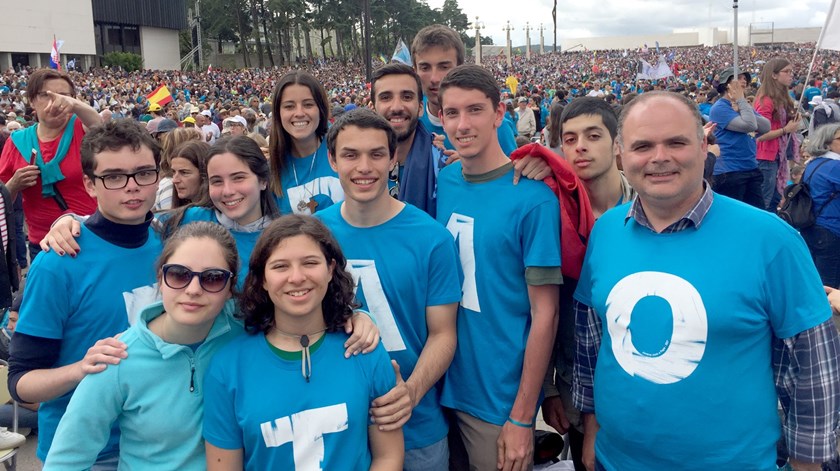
(28, 462)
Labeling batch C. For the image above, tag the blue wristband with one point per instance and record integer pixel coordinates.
(519, 424)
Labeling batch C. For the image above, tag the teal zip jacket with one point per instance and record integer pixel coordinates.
(155, 396)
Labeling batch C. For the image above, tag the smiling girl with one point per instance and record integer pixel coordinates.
(301, 176)
(154, 395)
(239, 198)
(284, 397)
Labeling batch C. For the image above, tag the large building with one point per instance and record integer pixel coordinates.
(91, 28)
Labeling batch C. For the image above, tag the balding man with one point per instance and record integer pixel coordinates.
(703, 313)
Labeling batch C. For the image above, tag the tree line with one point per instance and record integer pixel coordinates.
(266, 28)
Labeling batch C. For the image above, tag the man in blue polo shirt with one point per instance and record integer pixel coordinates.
(674, 332)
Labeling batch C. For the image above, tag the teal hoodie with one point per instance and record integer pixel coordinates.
(155, 396)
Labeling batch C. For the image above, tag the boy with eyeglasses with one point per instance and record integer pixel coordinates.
(72, 307)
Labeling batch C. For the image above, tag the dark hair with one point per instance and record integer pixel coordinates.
(39, 78)
(471, 77)
(591, 106)
(647, 96)
(195, 152)
(362, 118)
(394, 68)
(202, 230)
(246, 150)
(280, 142)
(554, 124)
(257, 310)
(437, 36)
(115, 135)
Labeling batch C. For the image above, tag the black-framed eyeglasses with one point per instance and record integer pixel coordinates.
(118, 181)
(211, 280)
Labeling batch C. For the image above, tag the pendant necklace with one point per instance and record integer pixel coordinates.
(303, 204)
(305, 356)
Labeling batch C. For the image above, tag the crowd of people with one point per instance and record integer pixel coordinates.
(298, 269)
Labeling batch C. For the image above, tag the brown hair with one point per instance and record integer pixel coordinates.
(39, 78)
(437, 36)
(195, 152)
(771, 88)
(280, 142)
(202, 230)
(172, 139)
(257, 309)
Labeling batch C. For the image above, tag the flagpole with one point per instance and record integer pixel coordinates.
(816, 50)
(735, 39)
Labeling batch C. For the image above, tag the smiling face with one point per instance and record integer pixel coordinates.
(662, 155)
(186, 179)
(587, 146)
(131, 204)
(192, 306)
(363, 163)
(299, 114)
(297, 276)
(397, 101)
(234, 188)
(470, 120)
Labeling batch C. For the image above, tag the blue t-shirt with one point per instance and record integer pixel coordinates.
(82, 300)
(256, 401)
(687, 332)
(506, 138)
(316, 184)
(400, 267)
(245, 241)
(500, 230)
(737, 149)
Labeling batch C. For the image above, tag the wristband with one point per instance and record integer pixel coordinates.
(519, 424)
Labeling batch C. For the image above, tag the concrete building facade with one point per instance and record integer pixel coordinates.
(90, 29)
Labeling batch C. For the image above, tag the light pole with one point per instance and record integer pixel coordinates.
(368, 66)
(507, 30)
(527, 41)
(542, 41)
(478, 28)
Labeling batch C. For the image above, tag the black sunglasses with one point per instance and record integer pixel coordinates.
(178, 277)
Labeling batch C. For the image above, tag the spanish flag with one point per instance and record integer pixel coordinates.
(160, 96)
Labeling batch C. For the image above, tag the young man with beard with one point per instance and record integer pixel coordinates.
(405, 267)
(73, 305)
(397, 96)
(510, 255)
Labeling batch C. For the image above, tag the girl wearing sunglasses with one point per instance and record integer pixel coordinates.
(283, 397)
(301, 176)
(154, 395)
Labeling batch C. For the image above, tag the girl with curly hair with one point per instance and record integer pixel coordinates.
(285, 397)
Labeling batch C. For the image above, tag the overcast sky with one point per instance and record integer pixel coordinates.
(630, 17)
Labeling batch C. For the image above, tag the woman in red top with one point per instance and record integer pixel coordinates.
(50, 178)
(773, 148)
